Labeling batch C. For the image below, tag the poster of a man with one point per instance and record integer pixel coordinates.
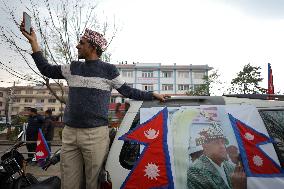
(212, 169)
(207, 148)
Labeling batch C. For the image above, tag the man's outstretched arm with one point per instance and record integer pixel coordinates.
(46, 69)
(31, 38)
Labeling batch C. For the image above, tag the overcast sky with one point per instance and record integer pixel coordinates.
(225, 34)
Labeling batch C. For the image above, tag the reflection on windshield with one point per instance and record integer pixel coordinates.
(274, 124)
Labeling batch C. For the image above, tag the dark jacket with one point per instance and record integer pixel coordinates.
(34, 123)
(48, 128)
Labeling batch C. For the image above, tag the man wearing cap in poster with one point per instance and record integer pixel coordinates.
(212, 169)
(85, 135)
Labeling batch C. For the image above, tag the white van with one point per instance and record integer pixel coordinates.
(250, 127)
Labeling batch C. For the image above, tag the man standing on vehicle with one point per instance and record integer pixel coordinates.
(212, 169)
(85, 136)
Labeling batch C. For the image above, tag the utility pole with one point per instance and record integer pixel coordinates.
(9, 112)
(10, 103)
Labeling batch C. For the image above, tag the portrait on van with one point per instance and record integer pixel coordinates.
(211, 162)
(214, 147)
(189, 128)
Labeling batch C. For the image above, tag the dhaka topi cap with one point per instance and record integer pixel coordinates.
(213, 132)
(95, 38)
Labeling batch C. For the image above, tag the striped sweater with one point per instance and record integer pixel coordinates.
(90, 85)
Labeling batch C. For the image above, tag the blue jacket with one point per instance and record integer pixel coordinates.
(34, 123)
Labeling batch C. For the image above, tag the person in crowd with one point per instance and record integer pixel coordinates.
(85, 137)
(233, 154)
(195, 153)
(35, 122)
(212, 169)
(48, 127)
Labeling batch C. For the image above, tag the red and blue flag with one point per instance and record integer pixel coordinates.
(42, 150)
(270, 89)
(255, 161)
(153, 168)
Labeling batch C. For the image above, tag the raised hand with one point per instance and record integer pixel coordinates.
(238, 178)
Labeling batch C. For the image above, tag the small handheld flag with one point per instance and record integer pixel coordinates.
(42, 150)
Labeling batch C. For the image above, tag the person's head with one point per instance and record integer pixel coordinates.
(233, 153)
(32, 111)
(91, 45)
(213, 143)
(48, 112)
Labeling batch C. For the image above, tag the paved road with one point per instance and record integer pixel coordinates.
(54, 170)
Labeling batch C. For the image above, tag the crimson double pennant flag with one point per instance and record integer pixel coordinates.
(270, 89)
(42, 150)
(153, 168)
(256, 162)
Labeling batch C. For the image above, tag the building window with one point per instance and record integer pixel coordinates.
(41, 92)
(147, 74)
(183, 74)
(183, 87)
(112, 99)
(28, 100)
(126, 73)
(51, 100)
(1, 94)
(29, 91)
(198, 75)
(27, 108)
(15, 109)
(17, 92)
(167, 74)
(167, 87)
(147, 87)
(1, 103)
(51, 108)
(199, 86)
(16, 100)
(40, 100)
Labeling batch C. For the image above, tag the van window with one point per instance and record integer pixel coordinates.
(130, 151)
(274, 123)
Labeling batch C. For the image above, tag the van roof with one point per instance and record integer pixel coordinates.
(175, 101)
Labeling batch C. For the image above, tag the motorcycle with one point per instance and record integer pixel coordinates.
(13, 172)
(12, 169)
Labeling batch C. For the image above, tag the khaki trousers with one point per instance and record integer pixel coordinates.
(80, 146)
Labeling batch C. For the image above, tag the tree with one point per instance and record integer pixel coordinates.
(59, 28)
(247, 81)
(205, 89)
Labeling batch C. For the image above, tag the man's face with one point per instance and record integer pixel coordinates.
(84, 49)
(216, 150)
